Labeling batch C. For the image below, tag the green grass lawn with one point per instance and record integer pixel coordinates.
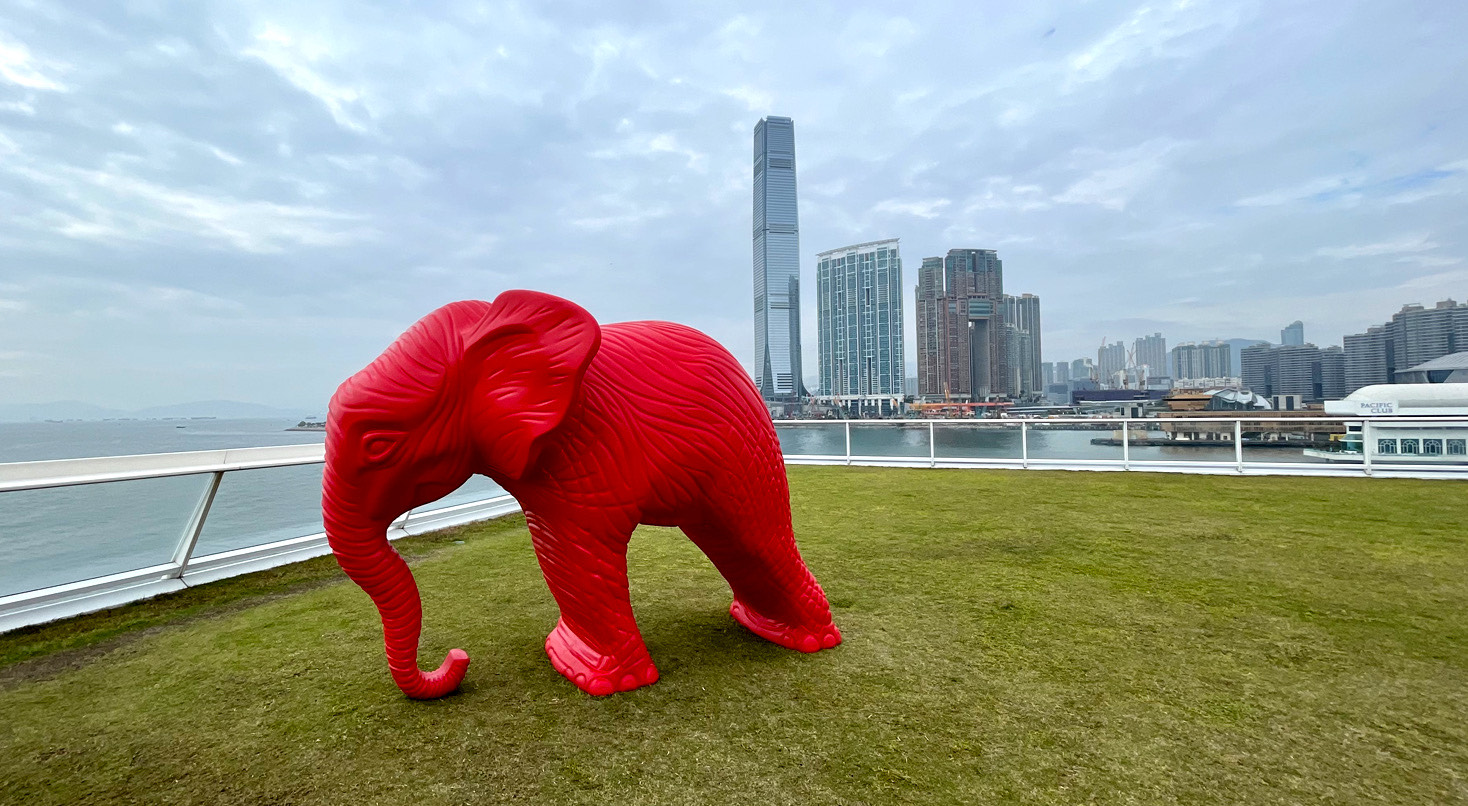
(1028, 637)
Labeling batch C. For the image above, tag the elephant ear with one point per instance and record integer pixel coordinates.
(525, 359)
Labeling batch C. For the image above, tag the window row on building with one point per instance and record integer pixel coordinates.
(1426, 446)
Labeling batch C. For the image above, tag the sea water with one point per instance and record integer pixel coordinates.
(54, 536)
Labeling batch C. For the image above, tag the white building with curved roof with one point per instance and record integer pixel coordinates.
(1394, 434)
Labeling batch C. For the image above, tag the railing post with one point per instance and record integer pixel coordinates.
(185, 550)
(1239, 444)
(848, 442)
(1024, 444)
(402, 522)
(1126, 444)
(1366, 438)
(932, 446)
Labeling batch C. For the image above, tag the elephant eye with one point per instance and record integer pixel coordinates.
(377, 446)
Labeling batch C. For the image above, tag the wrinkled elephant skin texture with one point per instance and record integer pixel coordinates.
(594, 430)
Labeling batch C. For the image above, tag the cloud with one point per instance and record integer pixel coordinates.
(20, 68)
(1113, 187)
(295, 58)
(922, 208)
(283, 187)
(112, 207)
(1406, 244)
(757, 101)
(1168, 30)
(1353, 188)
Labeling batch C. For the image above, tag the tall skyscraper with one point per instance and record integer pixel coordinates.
(975, 341)
(776, 262)
(930, 312)
(1021, 329)
(1293, 334)
(859, 316)
(977, 359)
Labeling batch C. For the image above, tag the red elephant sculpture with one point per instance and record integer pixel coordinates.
(594, 430)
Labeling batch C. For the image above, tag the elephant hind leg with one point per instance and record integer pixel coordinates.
(595, 644)
(775, 595)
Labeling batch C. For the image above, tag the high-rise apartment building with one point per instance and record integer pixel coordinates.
(1047, 372)
(1213, 359)
(1370, 358)
(1082, 369)
(1414, 335)
(974, 289)
(1295, 369)
(1020, 320)
(859, 313)
(1293, 334)
(931, 310)
(1151, 352)
(962, 332)
(776, 262)
(1111, 364)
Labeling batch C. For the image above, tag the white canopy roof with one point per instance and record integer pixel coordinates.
(1404, 399)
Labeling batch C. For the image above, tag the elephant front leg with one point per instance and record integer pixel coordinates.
(595, 644)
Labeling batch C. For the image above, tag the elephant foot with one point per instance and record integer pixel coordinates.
(595, 673)
(801, 638)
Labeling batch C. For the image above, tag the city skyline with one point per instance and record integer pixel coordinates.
(250, 202)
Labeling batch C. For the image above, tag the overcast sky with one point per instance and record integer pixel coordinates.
(250, 200)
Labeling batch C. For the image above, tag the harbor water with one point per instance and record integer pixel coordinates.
(50, 537)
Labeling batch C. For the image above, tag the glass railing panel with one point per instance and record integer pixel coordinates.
(1071, 441)
(895, 438)
(1179, 439)
(1283, 439)
(477, 488)
(975, 439)
(255, 507)
(68, 534)
(812, 439)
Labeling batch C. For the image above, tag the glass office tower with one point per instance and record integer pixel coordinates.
(859, 313)
(776, 262)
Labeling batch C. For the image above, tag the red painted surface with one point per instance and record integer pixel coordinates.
(594, 430)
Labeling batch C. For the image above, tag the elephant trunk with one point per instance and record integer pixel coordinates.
(362, 550)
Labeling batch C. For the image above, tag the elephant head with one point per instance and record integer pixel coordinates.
(472, 387)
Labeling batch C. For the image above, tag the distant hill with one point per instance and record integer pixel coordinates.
(224, 409)
(76, 410)
(56, 410)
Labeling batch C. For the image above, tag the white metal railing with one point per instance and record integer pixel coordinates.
(1237, 427)
(184, 568)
